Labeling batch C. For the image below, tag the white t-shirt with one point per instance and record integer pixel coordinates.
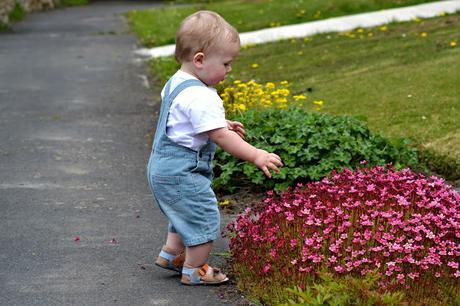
(196, 110)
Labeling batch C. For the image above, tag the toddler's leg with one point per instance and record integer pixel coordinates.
(197, 255)
(174, 243)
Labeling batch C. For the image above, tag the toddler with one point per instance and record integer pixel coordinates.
(191, 123)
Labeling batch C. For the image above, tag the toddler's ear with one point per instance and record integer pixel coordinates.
(198, 59)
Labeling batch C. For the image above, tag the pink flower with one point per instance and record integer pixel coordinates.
(413, 275)
(453, 264)
(305, 270)
(267, 268)
(289, 215)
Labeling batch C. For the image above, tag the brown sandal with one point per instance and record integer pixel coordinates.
(204, 275)
(169, 261)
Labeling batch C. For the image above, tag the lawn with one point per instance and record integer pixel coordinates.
(402, 79)
(158, 26)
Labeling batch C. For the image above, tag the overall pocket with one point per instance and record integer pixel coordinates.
(166, 188)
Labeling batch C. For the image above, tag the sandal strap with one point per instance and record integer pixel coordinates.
(175, 262)
(194, 278)
(203, 270)
(179, 260)
(167, 256)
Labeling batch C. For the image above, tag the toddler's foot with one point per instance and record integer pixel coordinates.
(204, 275)
(169, 260)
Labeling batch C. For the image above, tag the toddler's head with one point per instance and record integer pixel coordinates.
(206, 45)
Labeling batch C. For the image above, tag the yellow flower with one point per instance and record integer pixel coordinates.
(254, 66)
(285, 83)
(383, 28)
(416, 19)
(300, 53)
(318, 102)
(299, 97)
(281, 100)
(360, 30)
(307, 39)
(370, 34)
(224, 202)
(423, 34)
(242, 107)
(236, 82)
(453, 44)
(300, 13)
(442, 14)
(270, 85)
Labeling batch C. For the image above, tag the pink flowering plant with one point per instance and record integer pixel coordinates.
(402, 225)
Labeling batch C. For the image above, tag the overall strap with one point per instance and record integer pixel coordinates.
(166, 104)
(169, 97)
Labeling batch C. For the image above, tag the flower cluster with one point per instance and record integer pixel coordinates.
(242, 96)
(402, 224)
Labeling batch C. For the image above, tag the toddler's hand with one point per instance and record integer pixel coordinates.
(266, 161)
(236, 127)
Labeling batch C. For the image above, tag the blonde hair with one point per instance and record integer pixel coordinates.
(202, 31)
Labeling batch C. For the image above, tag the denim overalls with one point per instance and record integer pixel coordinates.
(180, 180)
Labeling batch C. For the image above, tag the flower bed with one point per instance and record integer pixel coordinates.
(403, 225)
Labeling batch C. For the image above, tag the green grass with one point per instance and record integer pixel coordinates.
(64, 3)
(158, 26)
(401, 83)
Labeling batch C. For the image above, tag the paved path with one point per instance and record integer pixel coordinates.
(336, 24)
(74, 125)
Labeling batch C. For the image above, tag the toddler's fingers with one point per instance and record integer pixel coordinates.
(276, 160)
(274, 167)
(238, 124)
(266, 172)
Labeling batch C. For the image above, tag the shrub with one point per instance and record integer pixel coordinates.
(403, 225)
(18, 13)
(438, 163)
(310, 146)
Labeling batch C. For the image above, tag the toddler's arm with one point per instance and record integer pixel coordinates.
(232, 143)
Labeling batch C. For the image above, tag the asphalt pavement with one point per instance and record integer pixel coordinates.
(78, 225)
